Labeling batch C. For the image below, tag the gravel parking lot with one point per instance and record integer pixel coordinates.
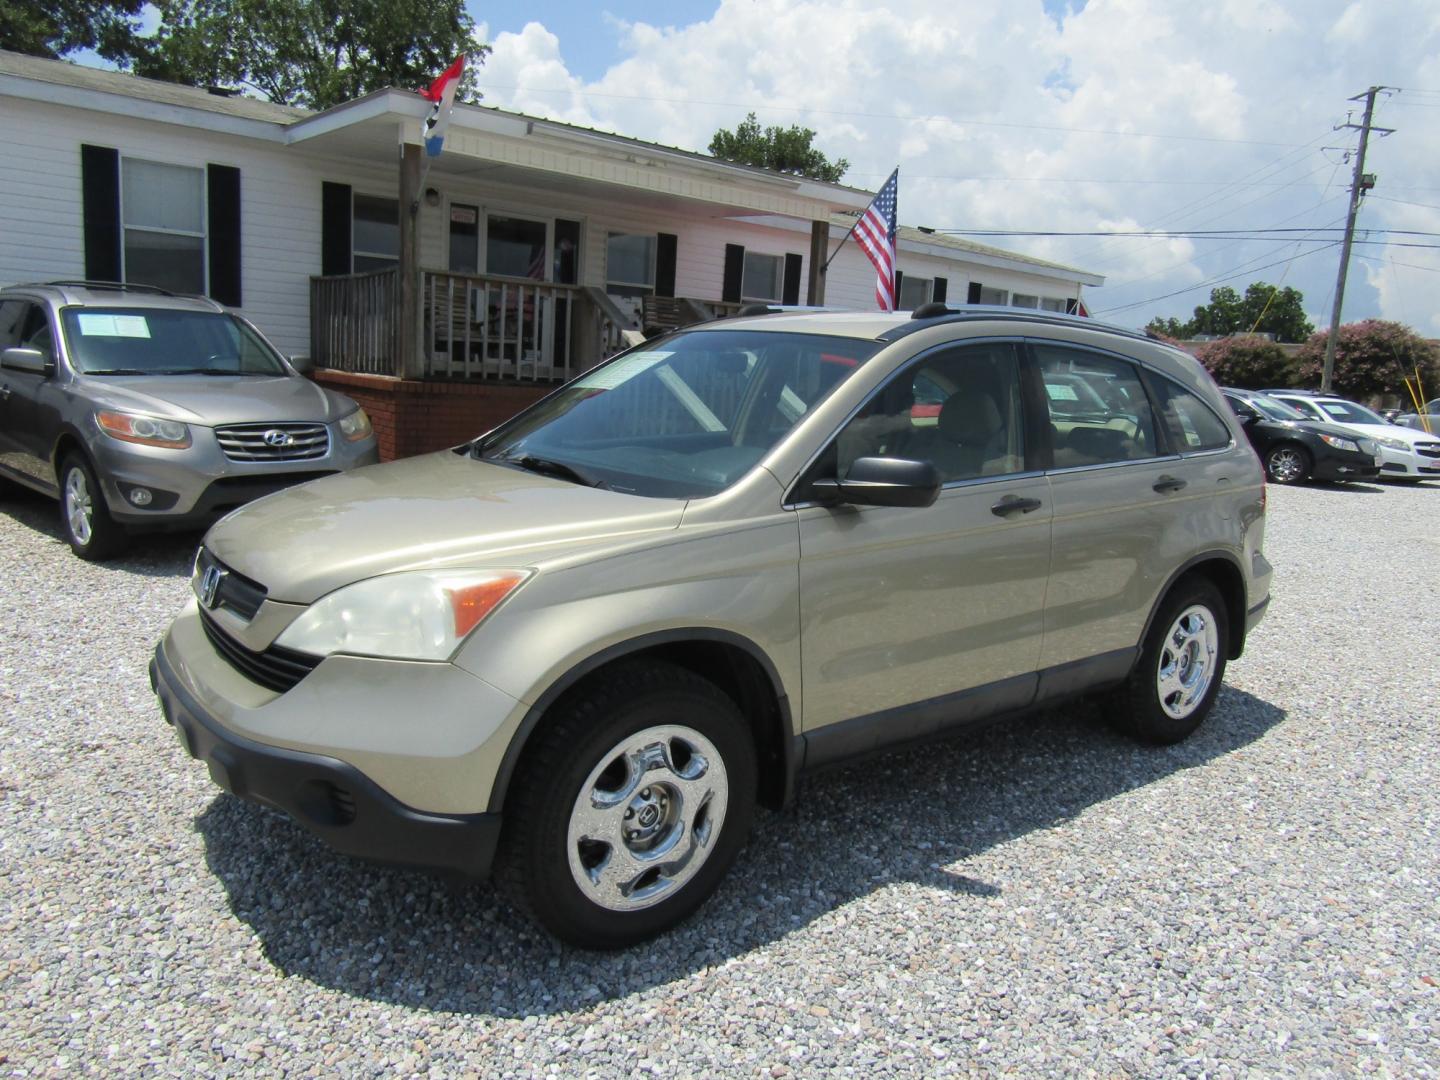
(1043, 897)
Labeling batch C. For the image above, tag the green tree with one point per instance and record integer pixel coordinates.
(53, 28)
(1371, 357)
(310, 53)
(1170, 328)
(785, 150)
(1264, 309)
(1251, 363)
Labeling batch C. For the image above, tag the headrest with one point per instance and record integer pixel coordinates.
(970, 416)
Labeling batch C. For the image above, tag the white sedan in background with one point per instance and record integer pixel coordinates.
(1405, 453)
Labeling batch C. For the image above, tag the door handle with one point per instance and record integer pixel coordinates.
(1012, 505)
(1167, 484)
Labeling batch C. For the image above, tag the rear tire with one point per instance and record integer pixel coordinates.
(627, 813)
(84, 519)
(1174, 685)
(1288, 463)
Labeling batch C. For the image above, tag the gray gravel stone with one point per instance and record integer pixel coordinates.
(1040, 898)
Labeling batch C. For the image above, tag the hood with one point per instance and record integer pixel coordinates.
(442, 509)
(1340, 431)
(1409, 436)
(209, 400)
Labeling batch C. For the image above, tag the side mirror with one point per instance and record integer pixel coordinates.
(882, 481)
(31, 360)
(1248, 418)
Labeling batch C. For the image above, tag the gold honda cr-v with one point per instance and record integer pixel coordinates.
(585, 645)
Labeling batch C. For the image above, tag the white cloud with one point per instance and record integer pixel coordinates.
(926, 83)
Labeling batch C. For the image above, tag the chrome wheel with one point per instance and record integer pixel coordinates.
(1287, 465)
(1187, 662)
(79, 509)
(647, 817)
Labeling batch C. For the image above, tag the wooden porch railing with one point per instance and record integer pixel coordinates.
(355, 322)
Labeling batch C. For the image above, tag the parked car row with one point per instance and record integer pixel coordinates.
(141, 410)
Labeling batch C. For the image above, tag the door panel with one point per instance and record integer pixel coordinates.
(903, 605)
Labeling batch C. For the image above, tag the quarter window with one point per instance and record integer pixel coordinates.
(1098, 409)
(163, 211)
(1190, 423)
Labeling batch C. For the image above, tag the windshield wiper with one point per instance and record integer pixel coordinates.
(119, 371)
(547, 467)
(209, 371)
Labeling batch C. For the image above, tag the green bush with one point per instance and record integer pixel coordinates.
(1250, 363)
(1372, 357)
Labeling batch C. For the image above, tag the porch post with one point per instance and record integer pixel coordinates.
(819, 252)
(412, 360)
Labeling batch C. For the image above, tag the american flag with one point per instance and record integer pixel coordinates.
(875, 232)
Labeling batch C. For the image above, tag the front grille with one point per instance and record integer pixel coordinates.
(1429, 449)
(235, 591)
(276, 668)
(273, 442)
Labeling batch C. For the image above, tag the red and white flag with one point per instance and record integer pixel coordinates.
(875, 232)
(442, 93)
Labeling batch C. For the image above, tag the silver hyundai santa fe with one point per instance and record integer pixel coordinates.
(585, 645)
(142, 410)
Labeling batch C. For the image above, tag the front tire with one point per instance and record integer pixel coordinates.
(1288, 463)
(1174, 685)
(84, 519)
(631, 808)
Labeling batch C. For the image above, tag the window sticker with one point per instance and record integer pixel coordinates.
(1061, 392)
(1332, 409)
(623, 370)
(130, 326)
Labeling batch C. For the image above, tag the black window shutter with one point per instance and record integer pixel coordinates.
(665, 248)
(1072, 306)
(335, 229)
(942, 286)
(734, 271)
(224, 212)
(899, 277)
(791, 293)
(100, 208)
(974, 297)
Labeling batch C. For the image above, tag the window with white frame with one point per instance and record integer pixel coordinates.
(163, 211)
(629, 264)
(1024, 300)
(915, 291)
(376, 233)
(998, 297)
(764, 277)
(1049, 303)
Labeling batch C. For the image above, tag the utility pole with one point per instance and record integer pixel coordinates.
(1360, 183)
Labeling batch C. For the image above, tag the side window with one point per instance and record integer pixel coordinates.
(12, 321)
(959, 409)
(1099, 412)
(1189, 422)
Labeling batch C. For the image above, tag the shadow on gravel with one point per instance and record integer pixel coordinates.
(149, 555)
(911, 818)
(1346, 486)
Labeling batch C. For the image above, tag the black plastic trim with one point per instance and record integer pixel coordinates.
(790, 741)
(987, 313)
(332, 799)
(1238, 627)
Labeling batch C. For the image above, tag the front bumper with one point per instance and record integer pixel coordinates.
(1345, 465)
(330, 797)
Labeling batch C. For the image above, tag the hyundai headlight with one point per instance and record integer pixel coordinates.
(356, 426)
(146, 430)
(417, 615)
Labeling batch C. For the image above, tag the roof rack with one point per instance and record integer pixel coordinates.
(782, 309)
(114, 286)
(939, 311)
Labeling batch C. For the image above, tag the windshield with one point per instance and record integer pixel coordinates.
(1275, 410)
(1347, 412)
(160, 341)
(684, 419)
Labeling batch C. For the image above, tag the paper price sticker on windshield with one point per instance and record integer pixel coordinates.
(622, 370)
(95, 325)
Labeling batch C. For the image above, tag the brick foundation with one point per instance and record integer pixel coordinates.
(415, 417)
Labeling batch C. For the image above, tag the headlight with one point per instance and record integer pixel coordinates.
(419, 615)
(146, 430)
(356, 426)
(1392, 444)
(1341, 444)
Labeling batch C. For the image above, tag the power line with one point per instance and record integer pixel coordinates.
(1229, 276)
(1189, 234)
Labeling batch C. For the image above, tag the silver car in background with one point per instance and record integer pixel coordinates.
(142, 410)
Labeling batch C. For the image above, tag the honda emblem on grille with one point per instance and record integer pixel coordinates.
(277, 438)
(210, 585)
